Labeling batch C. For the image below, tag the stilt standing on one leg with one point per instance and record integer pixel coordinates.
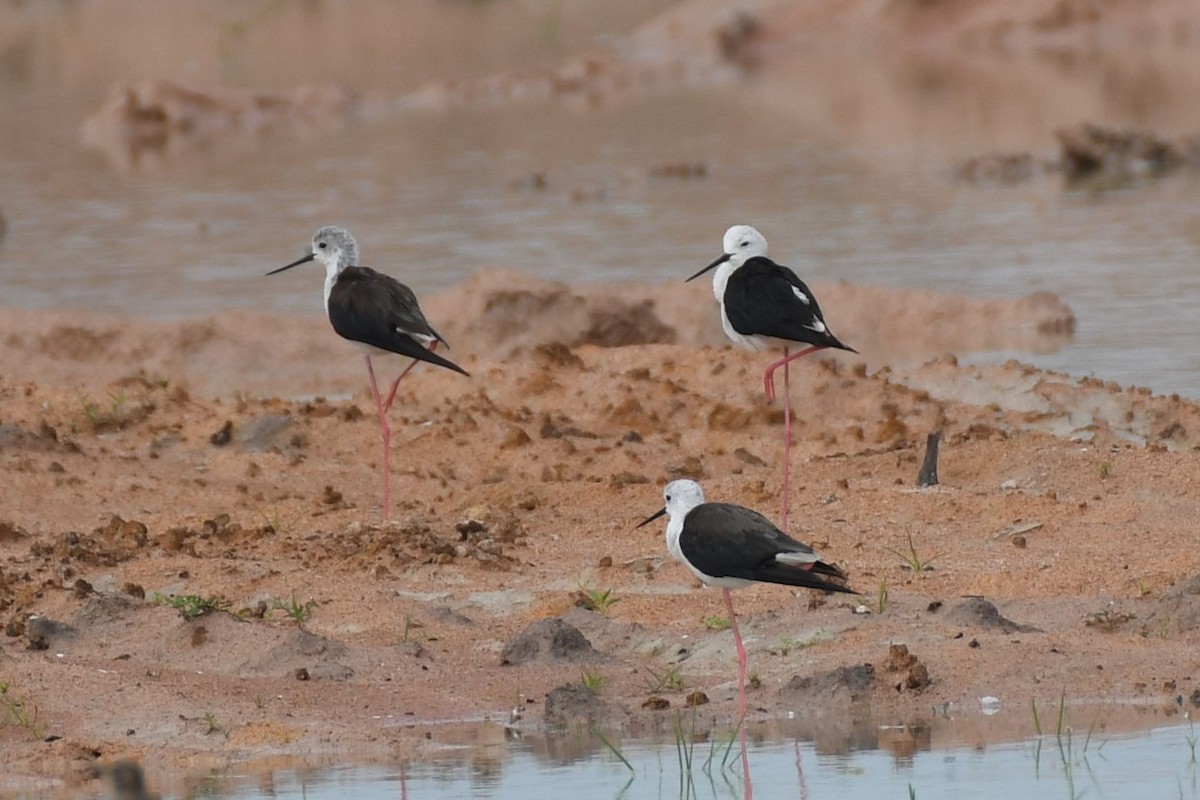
(379, 313)
(762, 304)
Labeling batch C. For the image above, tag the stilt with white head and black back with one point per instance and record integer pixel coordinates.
(377, 312)
(731, 546)
(764, 304)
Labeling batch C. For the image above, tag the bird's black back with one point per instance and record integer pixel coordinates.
(759, 300)
(728, 541)
(376, 309)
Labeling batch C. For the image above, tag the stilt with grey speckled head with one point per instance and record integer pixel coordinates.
(377, 312)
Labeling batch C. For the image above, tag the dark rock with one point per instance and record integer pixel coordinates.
(979, 613)
(223, 436)
(572, 704)
(851, 684)
(656, 704)
(548, 639)
(42, 631)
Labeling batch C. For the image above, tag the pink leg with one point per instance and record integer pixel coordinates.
(741, 656)
(387, 406)
(787, 439)
(386, 433)
(769, 375)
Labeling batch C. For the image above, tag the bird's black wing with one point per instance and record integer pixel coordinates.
(376, 309)
(728, 541)
(767, 299)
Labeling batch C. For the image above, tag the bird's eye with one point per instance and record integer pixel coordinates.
(668, 498)
(323, 245)
(744, 244)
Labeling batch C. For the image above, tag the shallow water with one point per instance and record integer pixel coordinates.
(435, 196)
(1157, 763)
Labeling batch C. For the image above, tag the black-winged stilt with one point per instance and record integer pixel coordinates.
(731, 546)
(379, 313)
(765, 304)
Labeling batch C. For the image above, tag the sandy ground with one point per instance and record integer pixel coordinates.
(236, 458)
(1062, 501)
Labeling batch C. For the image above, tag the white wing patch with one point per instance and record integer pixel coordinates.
(801, 296)
(423, 338)
(796, 558)
(818, 326)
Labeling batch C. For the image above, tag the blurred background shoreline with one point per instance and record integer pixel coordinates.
(604, 144)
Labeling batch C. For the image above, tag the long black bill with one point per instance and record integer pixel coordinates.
(718, 262)
(656, 515)
(295, 263)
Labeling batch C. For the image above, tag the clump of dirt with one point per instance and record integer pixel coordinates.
(914, 675)
(110, 544)
(483, 537)
(212, 537)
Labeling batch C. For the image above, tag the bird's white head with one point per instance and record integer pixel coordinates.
(682, 496)
(335, 249)
(742, 243)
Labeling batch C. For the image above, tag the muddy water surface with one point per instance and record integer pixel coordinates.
(579, 191)
(881, 763)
